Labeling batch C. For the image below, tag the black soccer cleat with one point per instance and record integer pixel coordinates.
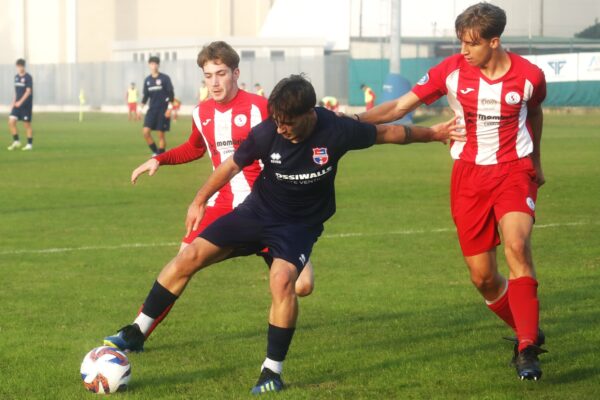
(528, 364)
(128, 338)
(268, 381)
(539, 343)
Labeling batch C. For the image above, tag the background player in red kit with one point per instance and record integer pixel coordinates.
(497, 170)
(219, 124)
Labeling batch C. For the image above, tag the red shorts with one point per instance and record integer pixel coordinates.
(210, 216)
(482, 194)
(132, 107)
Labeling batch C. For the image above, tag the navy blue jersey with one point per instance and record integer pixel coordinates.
(159, 91)
(21, 84)
(297, 181)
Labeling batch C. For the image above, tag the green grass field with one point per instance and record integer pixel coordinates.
(393, 315)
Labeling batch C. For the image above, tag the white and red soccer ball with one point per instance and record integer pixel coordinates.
(105, 370)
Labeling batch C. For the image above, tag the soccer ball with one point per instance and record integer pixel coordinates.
(105, 370)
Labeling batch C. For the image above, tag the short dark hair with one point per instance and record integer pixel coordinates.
(154, 59)
(362, 86)
(483, 20)
(291, 97)
(20, 62)
(219, 51)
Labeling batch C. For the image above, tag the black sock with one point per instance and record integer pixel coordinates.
(161, 150)
(30, 140)
(159, 299)
(278, 342)
(16, 137)
(153, 148)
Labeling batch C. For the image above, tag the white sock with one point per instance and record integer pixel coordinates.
(275, 366)
(144, 322)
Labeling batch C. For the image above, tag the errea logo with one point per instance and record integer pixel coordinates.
(275, 158)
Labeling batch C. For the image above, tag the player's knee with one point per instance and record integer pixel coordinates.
(188, 261)
(516, 247)
(282, 284)
(483, 282)
(304, 288)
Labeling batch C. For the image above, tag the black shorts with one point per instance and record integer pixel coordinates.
(23, 113)
(248, 234)
(156, 121)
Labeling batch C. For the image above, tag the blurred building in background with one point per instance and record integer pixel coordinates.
(102, 45)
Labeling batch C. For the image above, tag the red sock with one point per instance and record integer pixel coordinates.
(501, 308)
(157, 320)
(522, 296)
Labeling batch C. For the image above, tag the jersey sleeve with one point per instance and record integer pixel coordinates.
(146, 94)
(432, 85)
(189, 151)
(169, 89)
(248, 151)
(356, 135)
(29, 82)
(539, 89)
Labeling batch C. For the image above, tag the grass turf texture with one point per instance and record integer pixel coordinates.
(393, 314)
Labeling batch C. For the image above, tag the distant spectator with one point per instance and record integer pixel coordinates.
(329, 102)
(132, 98)
(369, 96)
(259, 90)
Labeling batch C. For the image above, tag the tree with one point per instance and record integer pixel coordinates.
(591, 32)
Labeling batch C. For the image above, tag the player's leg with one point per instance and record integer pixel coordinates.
(147, 132)
(305, 283)
(516, 228)
(282, 324)
(29, 131)
(162, 142)
(210, 216)
(514, 207)
(492, 286)
(12, 128)
(169, 285)
(472, 211)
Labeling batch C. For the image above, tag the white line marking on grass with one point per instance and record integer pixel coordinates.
(330, 236)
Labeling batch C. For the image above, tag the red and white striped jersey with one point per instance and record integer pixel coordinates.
(494, 112)
(221, 128)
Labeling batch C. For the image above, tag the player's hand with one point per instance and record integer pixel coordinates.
(539, 174)
(168, 113)
(449, 130)
(150, 166)
(194, 216)
(17, 104)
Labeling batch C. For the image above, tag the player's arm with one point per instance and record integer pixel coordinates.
(186, 152)
(144, 98)
(219, 178)
(23, 98)
(406, 134)
(536, 119)
(170, 97)
(390, 110)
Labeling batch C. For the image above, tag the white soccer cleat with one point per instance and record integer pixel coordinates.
(27, 147)
(14, 146)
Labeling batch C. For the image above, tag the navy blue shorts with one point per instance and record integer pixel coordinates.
(248, 234)
(23, 113)
(156, 121)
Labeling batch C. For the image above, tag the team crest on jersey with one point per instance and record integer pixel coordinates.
(23, 80)
(530, 204)
(512, 98)
(240, 120)
(158, 81)
(320, 156)
(423, 80)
